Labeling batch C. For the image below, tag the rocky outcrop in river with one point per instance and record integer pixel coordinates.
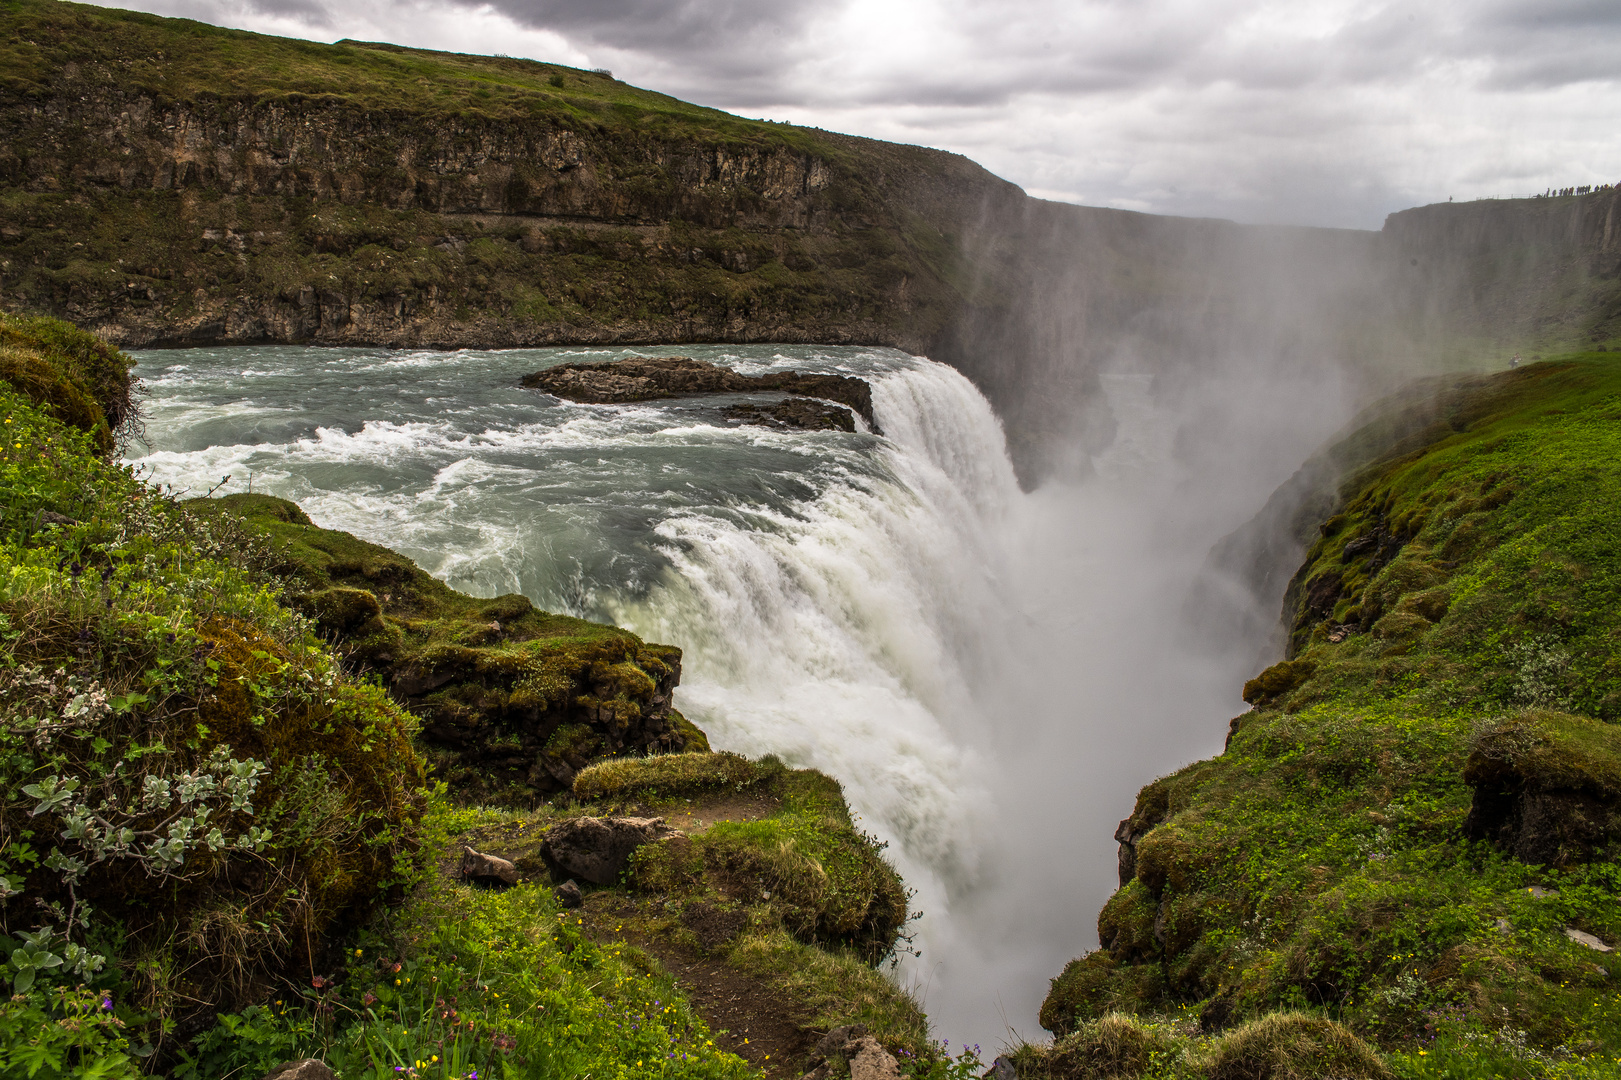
(638, 378)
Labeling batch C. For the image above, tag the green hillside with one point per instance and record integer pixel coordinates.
(1415, 832)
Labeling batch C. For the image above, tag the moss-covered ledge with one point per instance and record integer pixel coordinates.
(514, 700)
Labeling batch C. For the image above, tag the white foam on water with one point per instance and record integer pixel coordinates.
(894, 612)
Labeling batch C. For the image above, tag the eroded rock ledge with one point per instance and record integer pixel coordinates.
(514, 701)
(637, 378)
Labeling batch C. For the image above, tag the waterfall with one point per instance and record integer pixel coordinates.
(845, 632)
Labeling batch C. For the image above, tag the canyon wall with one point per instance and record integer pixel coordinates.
(171, 183)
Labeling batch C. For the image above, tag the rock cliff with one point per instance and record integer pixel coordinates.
(172, 183)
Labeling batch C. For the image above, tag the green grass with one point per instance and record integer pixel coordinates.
(1455, 624)
(460, 979)
(182, 60)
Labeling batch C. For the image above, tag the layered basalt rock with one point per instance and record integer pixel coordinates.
(638, 378)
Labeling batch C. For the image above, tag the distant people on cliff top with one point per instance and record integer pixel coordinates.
(1580, 189)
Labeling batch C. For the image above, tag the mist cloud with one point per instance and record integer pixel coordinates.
(1317, 112)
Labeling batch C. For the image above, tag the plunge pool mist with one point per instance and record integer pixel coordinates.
(990, 673)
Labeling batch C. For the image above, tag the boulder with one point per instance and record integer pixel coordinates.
(568, 895)
(1582, 937)
(487, 869)
(308, 1069)
(597, 849)
(850, 1051)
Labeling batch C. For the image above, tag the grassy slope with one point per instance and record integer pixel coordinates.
(177, 60)
(1469, 586)
(514, 984)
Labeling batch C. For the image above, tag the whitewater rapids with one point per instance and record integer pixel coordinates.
(990, 673)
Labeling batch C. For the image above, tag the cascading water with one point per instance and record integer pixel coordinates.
(988, 672)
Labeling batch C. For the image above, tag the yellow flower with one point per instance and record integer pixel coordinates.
(357, 952)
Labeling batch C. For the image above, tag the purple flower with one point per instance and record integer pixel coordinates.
(107, 1003)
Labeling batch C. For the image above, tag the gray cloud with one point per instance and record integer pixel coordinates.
(1310, 111)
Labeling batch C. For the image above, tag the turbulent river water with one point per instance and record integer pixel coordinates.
(990, 673)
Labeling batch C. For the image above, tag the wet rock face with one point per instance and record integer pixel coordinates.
(597, 849)
(649, 378)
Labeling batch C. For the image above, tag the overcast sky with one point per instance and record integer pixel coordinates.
(1316, 112)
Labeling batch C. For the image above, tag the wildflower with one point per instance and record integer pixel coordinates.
(357, 952)
(106, 1003)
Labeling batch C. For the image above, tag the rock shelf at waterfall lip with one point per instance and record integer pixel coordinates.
(638, 378)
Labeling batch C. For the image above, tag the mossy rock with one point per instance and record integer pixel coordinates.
(671, 774)
(82, 380)
(514, 701)
(42, 383)
(1170, 856)
(341, 610)
(1278, 680)
(1399, 626)
(1411, 572)
(1126, 923)
(1428, 604)
(1096, 985)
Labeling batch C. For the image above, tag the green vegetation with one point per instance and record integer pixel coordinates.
(1414, 834)
(462, 980)
(197, 797)
(219, 850)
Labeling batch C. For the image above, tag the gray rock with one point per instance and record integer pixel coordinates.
(1001, 1069)
(308, 1069)
(568, 894)
(597, 849)
(489, 869)
(1582, 937)
(850, 1051)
